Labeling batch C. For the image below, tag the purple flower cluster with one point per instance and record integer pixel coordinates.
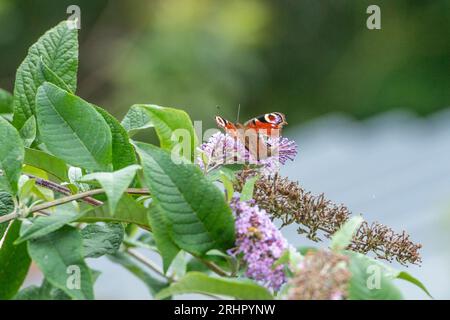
(223, 149)
(260, 243)
(219, 150)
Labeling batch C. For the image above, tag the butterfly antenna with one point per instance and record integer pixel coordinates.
(238, 111)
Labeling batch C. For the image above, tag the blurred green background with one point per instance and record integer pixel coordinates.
(304, 58)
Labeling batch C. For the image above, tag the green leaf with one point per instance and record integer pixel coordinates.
(198, 218)
(58, 50)
(46, 162)
(228, 184)
(45, 292)
(145, 240)
(57, 255)
(72, 129)
(6, 206)
(370, 281)
(229, 169)
(343, 237)
(6, 100)
(26, 189)
(170, 125)
(196, 282)
(409, 278)
(247, 190)
(29, 293)
(14, 262)
(166, 246)
(42, 226)
(99, 240)
(28, 132)
(179, 265)
(128, 210)
(391, 272)
(153, 284)
(11, 157)
(136, 119)
(114, 183)
(233, 263)
(123, 154)
(50, 76)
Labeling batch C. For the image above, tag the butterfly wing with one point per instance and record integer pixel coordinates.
(229, 127)
(254, 133)
(255, 143)
(267, 123)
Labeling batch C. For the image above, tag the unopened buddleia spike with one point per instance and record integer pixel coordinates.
(286, 200)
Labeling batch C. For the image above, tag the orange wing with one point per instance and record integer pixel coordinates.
(267, 123)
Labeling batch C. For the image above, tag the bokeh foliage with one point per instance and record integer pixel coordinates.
(304, 58)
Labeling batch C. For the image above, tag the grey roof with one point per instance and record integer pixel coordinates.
(394, 169)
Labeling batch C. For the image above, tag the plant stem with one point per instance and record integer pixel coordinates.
(61, 189)
(67, 199)
(147, 262)
(7, 217)
(214, 267)
(79, 196)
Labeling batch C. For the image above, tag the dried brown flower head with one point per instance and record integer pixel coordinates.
(287, 201)
(322, 275)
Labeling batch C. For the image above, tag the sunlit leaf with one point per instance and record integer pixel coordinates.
(198, 217)
(58, 49)
(114, 183)
(72, 129)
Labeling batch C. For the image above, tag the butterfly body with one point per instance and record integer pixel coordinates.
(254, 133)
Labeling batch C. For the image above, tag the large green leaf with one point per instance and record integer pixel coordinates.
(342, 238)
(57, 255)
(173, 127)
(58, 49)
(28, 131)
(136, 119)
(197, 282)
(11, 157)
(99, 240)
(153, 284)
(45, 292)
(128, 210)
(6, 100)
(14, 263)
(72, 129)
(6, 206)
(390, 272)
(123, 154)
(50, 76)
(370, 281)
(166, 246)
(42, 226)
(48, 163)
(114, 183)
(198, 218)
